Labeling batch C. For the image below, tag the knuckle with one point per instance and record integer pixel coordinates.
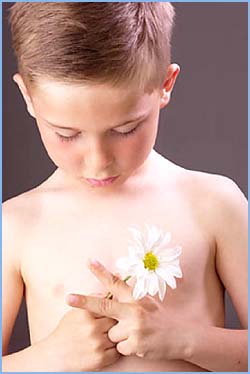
(139, 335)
(115, 280)
(105, 305)
(136, 339)
(139, 314)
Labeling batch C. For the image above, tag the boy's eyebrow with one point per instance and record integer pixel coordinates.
(76, 129)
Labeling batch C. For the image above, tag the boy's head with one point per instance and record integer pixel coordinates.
(92, 67)
(118, 43)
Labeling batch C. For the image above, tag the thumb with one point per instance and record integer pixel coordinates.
(101, 306)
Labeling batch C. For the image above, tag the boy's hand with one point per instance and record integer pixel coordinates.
(143, 328)
(81, 343)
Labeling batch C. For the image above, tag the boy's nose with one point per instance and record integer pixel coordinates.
(97, 161)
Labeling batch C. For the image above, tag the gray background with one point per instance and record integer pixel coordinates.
(204, 127)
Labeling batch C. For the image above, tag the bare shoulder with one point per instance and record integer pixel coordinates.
(19, 216)
(23, 213)
(19, 210)
(216, 199)
(214, 189)
(205, 189)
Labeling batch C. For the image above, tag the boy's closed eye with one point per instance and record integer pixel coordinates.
(66, 138)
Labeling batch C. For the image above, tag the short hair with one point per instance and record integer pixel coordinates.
(120, 43)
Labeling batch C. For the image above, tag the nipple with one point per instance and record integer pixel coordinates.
(58, 290)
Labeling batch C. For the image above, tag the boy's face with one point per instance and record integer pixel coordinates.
(95, 132)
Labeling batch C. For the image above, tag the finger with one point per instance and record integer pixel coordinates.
(112, 282)
(70, 301)
(118, 332)
(97, 294)
(104, 307)
(107, 343)
(130, 346)
(125, 348)
(105, 324)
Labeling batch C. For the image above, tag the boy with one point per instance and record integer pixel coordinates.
(95, 76)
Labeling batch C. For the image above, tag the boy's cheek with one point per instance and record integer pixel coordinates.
(132, 159)
(145, 144)
(57, 150)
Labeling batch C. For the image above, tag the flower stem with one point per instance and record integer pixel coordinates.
(127, 278)
(110, 295)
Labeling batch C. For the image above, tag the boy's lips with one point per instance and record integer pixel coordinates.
(101, 182)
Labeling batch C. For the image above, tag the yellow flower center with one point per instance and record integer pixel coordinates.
(150, 261)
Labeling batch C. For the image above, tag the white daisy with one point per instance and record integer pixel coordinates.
(151, 262)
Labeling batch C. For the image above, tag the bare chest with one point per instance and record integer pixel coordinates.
(55, 260)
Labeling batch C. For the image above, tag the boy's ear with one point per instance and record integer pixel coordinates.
(172, 73)
(17, 78)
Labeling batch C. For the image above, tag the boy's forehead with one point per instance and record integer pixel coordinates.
(61, 91)
(52, 98)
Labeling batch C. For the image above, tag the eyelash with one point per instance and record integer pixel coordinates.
(126, 133)
(74, 137)
(67, 138)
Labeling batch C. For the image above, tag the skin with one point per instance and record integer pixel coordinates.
(72, 221)
(99, 151)
(142, 328)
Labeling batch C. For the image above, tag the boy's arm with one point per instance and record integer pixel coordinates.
(12, 284)
(218, 349)
(12, 292)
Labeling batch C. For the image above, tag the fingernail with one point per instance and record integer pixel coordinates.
(71, 299)
(93, 262)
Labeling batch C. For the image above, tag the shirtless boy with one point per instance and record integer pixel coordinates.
(95, 76)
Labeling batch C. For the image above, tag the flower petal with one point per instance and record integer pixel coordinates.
(138, 238)
(153, 286)
(169, 279)
(162, 288)
(139, 290)
(168, 267)
(139, 270)
(123, 263)
(136, 253)
(137, 246)
(154, 236)
(136, 233)
(164, 242)
(169, 254)
(175, 270)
